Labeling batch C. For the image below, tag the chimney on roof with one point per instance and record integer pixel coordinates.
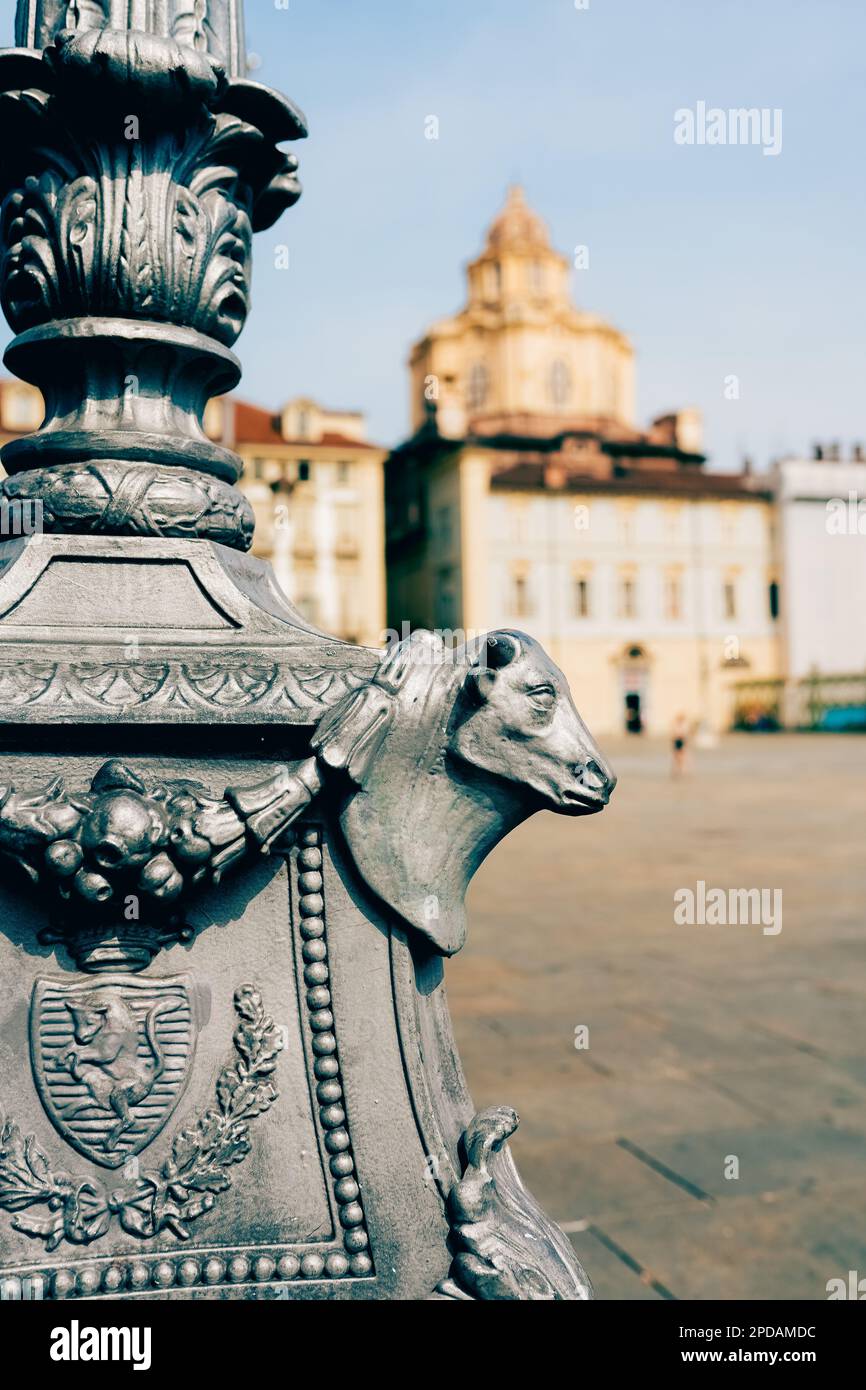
(834, 452)
(818, 452)
(683, 429)
(555, 475)
(858, 454)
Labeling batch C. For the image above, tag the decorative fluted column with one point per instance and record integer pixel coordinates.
(138, 162)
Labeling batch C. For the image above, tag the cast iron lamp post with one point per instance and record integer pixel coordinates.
(234, 850)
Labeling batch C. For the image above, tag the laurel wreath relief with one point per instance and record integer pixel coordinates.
(184, 1188)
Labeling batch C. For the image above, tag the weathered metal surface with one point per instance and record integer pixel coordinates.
(211, 26)
(134, 174)
(222, 1085)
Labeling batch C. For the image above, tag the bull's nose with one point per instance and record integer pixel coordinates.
(596, 778)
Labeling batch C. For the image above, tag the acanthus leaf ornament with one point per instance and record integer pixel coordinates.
(180, 251)
(135, 171)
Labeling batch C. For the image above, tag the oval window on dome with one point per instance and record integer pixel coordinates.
(479, 385)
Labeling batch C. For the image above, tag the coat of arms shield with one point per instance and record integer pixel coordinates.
(111, 1057)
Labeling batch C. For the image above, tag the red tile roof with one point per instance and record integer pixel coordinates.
(341, 440)
(690, 483)
(255, 425)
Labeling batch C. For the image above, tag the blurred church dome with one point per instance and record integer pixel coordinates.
(517, 227)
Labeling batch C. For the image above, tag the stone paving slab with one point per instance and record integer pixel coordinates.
(586, 1183)
(781, 1159)
(766, 1248)
(614, 1277)
(704, 1041)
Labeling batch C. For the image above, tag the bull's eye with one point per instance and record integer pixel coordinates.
(542, 696)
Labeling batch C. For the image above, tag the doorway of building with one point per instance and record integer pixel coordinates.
(633, 712)
(634, 665)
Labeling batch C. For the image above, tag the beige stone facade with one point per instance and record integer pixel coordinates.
(316, 486)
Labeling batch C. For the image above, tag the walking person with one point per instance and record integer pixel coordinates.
(679, 744)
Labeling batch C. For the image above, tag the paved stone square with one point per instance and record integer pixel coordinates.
(706, 1043)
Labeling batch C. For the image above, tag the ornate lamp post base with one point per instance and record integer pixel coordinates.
(233, 851)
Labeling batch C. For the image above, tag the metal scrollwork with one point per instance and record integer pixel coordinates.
(506, 1249)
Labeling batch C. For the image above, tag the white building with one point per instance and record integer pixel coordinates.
(821, 547)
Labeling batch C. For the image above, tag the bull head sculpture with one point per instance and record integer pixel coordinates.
(445, 752)
(441, 754)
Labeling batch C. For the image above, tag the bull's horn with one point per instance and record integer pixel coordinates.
(500, 649)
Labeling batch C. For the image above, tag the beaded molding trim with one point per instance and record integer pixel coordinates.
(326, 1064)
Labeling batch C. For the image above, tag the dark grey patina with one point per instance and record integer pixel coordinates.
(235, 851)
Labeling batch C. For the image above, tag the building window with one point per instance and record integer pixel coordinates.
(344, 473)
(625, 522)
(560, 383)
(444, 528)
(303, 424)
(213, 419)
(305, 468)
(494, 280)
(21, 409)
(728, 520)
(479, 382)
(729, 598)
(536, 277)
(627, 597)
(673, 523)
(303, 533)
(774, 599)
(673, 597)
(258, 469)
(521, 604)
(519, 519)
(446, 600)
(346, 530)
(613, 393)
(581, 598)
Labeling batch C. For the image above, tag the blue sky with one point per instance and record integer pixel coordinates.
(715, 260)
